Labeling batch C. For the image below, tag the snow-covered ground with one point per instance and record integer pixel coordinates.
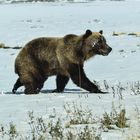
(69, 1)
(20, 23)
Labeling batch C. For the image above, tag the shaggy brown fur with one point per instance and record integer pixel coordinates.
(63, 57)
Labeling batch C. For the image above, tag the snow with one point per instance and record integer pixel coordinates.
(20, 23)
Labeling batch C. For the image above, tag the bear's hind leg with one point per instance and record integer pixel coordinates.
(17, 85)
(30, 83)
(34, 85)
(30, 88)
(61, 82)
(40, 84)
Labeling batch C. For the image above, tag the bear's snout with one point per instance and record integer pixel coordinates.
(109, 49)
(106, 51)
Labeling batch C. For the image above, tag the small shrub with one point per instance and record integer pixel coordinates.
(77, 115)
(12, 130)
(56, 130)
(106, 85)
(121, 119)
(135, 87)
(2, 131)
(107, 121)
(2, 45)
(88, 134)
(114, 119)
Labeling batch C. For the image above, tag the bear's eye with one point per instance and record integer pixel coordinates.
(94, 43)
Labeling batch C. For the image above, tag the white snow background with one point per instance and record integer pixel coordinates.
(19, 23)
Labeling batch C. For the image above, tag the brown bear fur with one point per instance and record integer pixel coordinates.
(63, 57)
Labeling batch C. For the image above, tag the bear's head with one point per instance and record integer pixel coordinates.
(94, 43)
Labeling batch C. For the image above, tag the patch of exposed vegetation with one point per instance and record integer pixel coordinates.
(49, 129)
(10, 132)
(135, 87)
(118, 33)
(78, 123)
(114, 119)
(120, 89)
(77, 115)
(3, 46)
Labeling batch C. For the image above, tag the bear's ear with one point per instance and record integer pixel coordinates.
(87, 34)
(101, 32)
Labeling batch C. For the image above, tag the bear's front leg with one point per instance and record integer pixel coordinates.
(61, 82)
(78, 76)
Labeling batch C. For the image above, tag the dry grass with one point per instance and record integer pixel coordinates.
(114, 119)
(78, 123)
(78, 115)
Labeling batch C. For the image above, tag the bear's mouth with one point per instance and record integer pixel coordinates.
(105, 53)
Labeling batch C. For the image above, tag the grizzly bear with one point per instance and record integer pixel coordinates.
(60, 56)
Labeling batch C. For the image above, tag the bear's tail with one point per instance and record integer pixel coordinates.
(16, 69)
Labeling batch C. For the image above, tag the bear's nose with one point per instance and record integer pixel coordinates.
(110, 49)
